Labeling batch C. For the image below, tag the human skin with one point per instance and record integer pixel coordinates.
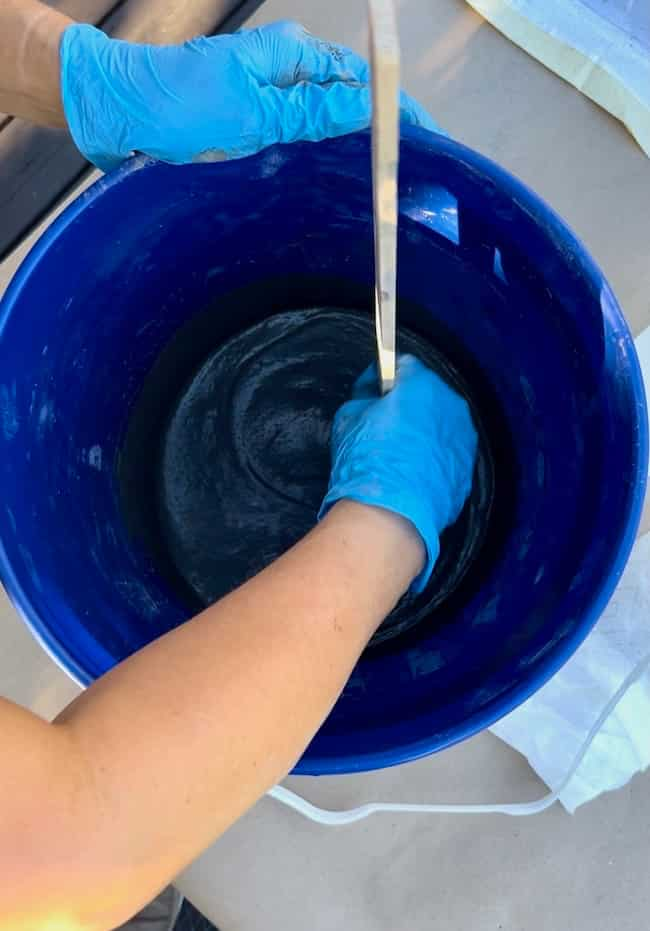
(103, 807)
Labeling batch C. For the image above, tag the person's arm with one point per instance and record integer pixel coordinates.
(213, 98)
(147, 767)
(101, 809)
(30, 36)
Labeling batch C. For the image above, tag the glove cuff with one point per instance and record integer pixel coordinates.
(405, 509)
(91, 103)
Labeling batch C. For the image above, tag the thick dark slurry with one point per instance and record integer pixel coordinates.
(244, 461)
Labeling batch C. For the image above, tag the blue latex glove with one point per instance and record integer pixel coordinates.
(212, 98)
(411, 452)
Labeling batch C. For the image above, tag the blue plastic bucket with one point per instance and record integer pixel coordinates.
(146, 249)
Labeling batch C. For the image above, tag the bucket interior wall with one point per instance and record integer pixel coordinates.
(483, 265)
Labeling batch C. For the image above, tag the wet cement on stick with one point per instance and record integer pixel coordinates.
(243, 458)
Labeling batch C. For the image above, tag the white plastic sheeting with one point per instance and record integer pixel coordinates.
(602, 47)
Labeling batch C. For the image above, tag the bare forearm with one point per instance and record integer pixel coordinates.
(30, 33)
(181, 739)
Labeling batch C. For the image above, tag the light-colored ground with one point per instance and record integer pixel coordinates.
(275, 872)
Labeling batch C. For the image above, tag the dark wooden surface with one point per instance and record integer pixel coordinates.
(38, 166)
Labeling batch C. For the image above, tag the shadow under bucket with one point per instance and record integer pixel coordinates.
(135, 286)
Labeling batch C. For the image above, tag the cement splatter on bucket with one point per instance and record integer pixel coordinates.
(486, 271)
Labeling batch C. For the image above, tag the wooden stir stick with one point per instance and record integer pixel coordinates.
(384, 51)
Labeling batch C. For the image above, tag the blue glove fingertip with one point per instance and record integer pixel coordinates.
(414, 114)
(367, 384)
